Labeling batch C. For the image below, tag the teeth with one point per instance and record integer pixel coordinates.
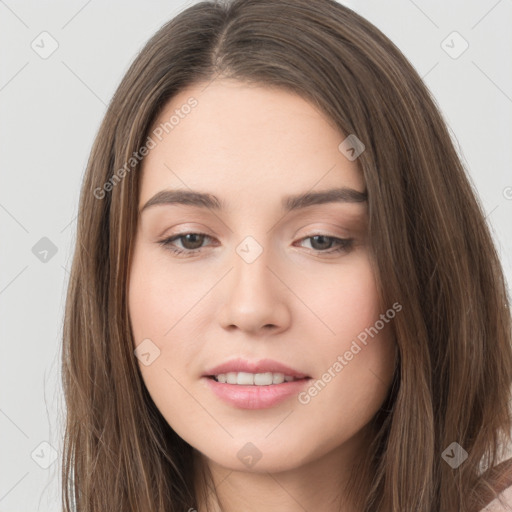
(253, 379)
(279, 378)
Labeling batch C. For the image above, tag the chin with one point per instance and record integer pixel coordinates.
(259, 455)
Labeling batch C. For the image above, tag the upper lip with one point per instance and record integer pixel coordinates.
(261, 366)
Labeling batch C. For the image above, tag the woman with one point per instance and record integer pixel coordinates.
(217, 356)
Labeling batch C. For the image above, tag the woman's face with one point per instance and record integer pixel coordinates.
(269, 287)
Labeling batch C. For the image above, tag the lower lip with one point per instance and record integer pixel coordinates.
(255, 397)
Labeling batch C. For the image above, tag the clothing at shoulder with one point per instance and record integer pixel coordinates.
(503, 504)
(500, 478)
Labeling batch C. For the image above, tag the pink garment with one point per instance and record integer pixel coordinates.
(496, 506)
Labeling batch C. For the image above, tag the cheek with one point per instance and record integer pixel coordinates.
(363, 329)
(156, 308)
(164, 307)
(352, 388)
(149, 304)
(357, 359)
(160, 296)
(346, 300)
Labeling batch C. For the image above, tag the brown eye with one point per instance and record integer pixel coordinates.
(191, 243)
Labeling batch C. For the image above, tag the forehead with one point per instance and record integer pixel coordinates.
(245, 143)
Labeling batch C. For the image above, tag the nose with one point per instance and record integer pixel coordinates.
(255, 298)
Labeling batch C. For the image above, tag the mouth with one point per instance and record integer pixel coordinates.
(255, 379)
(244, 390)
(247, 384)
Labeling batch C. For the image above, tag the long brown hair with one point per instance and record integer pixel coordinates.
(430, 245)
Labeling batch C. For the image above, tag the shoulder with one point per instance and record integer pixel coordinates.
(500, 477)
(503, 503)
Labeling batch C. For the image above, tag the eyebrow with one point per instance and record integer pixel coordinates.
(289, 203)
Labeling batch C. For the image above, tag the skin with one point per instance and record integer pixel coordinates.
(250, 146)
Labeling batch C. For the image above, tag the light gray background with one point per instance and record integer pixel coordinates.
(50, 110)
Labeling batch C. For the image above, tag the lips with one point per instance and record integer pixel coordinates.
(261, 366)
(260, 393)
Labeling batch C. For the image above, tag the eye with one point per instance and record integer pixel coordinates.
(324, 243)
(192, 243)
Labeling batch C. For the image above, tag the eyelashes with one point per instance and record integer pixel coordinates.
(341, 245)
